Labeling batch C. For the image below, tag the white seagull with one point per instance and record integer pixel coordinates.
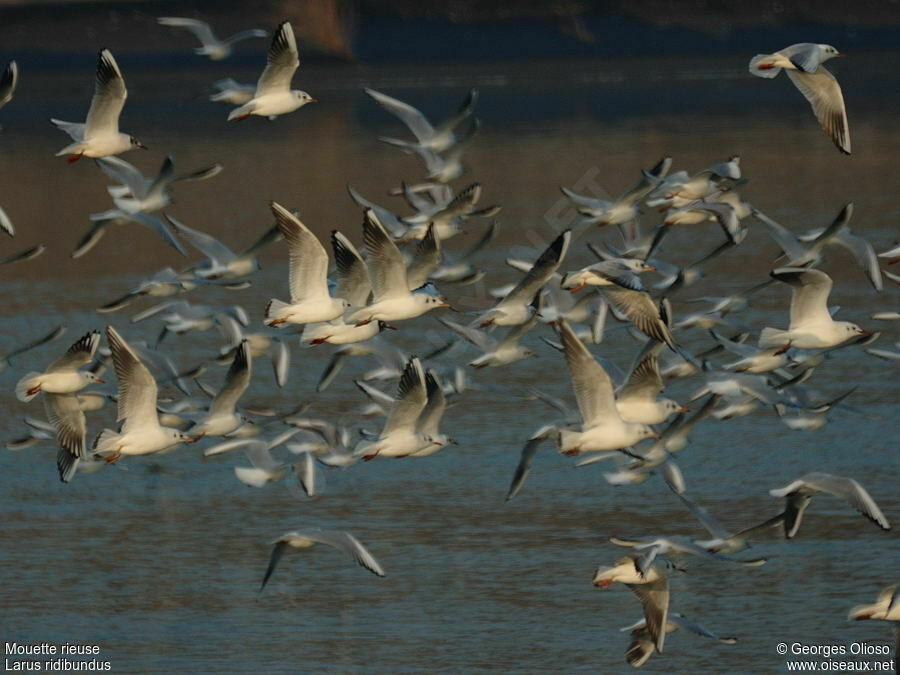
(342, 541)
(400, 436)
(602, 428)
(222, 419)
(274, 95)
(798, 494)
(391, 298)
(213, 47)
(99, 135)
(63, 375)
(435, 139)
(517, 307)
(141, 433)
(811, 325)
(803, 64)
(308, 276)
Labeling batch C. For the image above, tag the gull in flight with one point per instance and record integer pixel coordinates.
(213, 47)
(652, 589)
(222, 419)
(401, 435)
(342, 541)
(886, 608)
(141, 432)
(99, 135)
(803, 64)
(63, 375)
(517, 306)
(602, 426)
(307, 277)
(64, 409)
(636, 401)
(811, 325)
(435, 139)
(642, 647)
(392, 300)
(354, 287)
(623, 210)
(807, 249)
(798, 494)
(274, 96)
(221, 262)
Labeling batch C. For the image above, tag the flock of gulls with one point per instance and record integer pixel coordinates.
(354, 298)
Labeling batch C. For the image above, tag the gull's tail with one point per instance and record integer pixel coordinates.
(25, 385)
(106, 441)
(763, 65)
(275, 310)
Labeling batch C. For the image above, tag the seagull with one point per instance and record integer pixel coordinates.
(222, 419)
(887, 608)
(636, 401)
(274, 96)
(803, 64)
(642, 647)
(496, 353)
(811, 325)
(8, 82)
(63, 375)
(611, 272)
(435, 139)
(391, 298)
(342, 541)
(391, 361)
(99, 135)
(652, 547)
(141, 433)
(307, 276)
(221, 262)
(161, 284)
(624, 209)
(517, 306)
(651, 588)
(602, 427)
(807, 249)
(353, 286)
(137, 193)
(429, 422)
(212, 47)
(723, 540)
(400, 436)
(798, 494)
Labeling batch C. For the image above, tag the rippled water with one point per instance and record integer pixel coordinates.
(159, 562)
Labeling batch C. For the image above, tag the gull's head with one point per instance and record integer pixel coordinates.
(646, 431)
(671, 407)
(92, 378)
(135, 143)
(829, 52)
(302, 97)
(854, 331)
(637, 265)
